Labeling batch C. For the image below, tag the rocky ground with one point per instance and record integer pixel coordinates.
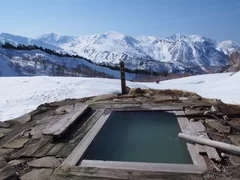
(222, 122)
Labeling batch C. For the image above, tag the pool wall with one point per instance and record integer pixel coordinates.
(76, 157)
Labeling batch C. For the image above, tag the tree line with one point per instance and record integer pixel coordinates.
(8, 45)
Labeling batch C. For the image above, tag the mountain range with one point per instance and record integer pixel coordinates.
(175, 54)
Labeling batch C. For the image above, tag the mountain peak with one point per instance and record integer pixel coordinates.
(8, 35)
(5, 34)
(14, 39)
(49, 35)
(176, 37)
(54, 38)
(114, 35)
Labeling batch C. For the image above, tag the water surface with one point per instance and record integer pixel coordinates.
(149, 136)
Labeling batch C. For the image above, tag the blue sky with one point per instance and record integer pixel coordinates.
(217, 19)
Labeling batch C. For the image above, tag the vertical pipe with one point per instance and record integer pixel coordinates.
(122, 76)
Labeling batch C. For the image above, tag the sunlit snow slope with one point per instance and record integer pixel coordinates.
(19, 95)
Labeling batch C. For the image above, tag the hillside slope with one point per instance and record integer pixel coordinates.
(20, 95)
(38, 63)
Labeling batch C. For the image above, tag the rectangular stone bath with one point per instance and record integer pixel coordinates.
(140, 136)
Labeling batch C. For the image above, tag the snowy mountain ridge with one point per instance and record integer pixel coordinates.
(177, 53)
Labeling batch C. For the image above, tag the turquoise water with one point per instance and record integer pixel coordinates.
(149, 136)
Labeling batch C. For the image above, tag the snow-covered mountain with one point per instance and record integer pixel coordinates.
(177, 53)
(37, 63)
(14, 39)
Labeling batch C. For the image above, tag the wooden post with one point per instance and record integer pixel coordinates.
(122, 76)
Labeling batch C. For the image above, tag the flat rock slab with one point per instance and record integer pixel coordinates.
(183, 98)
(136, 91)
(15, 162)
(23, 119)
(37, 174)
(42, 124)
(47, 119)
(147, 95)
(105, 97)
(4, 125)
(214, 109)
(235, 160)
(5, 130)
(45, 162)
(210, 120)
(140, 99)
(16, 143)
(64, 109)
(2, 134)
(37, 131)
(194, 112)
(6, 172)
(65, 121)
(158, 99)
(219, 127)
(235, 121)
(5, 152)
(235, 139)
(127, 96)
